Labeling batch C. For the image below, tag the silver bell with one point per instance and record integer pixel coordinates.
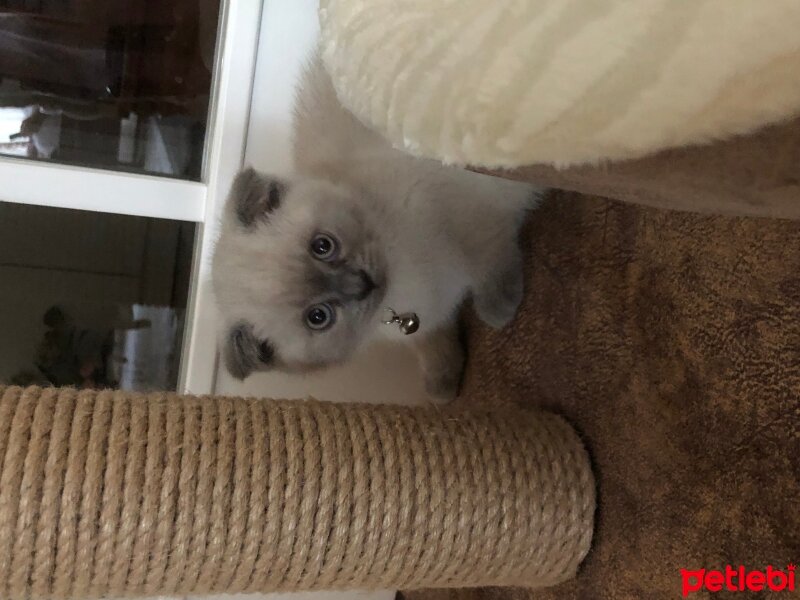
(407, 322)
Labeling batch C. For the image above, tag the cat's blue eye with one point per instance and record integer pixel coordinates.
(324, 247)
(320, 316)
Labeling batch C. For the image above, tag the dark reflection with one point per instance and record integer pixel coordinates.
(92, 300)
(122, 84)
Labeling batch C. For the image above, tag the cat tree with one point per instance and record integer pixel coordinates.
(110, 494)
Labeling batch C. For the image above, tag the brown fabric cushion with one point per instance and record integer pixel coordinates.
(672, 342)
(755, 175)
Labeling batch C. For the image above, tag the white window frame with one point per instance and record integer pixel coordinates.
(80, 188)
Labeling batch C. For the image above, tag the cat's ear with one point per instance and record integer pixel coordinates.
(243, 353)
(254, 196)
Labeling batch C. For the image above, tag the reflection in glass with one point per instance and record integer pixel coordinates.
(91, 300)
(120, 84)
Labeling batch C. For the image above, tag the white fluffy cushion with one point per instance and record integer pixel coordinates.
(502, 83)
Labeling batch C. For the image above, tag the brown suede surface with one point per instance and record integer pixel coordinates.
(672, 342)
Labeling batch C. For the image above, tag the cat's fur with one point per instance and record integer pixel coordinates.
(414, 235)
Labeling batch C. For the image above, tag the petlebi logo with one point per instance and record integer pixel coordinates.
(738, 579)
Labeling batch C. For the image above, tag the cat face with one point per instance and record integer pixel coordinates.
(298, 275)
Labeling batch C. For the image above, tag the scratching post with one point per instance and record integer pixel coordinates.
(110, 494)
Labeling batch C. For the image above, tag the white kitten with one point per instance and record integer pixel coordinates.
(306, 265)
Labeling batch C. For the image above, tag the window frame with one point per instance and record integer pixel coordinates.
(118, 192)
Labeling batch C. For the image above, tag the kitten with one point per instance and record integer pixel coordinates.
(306, 265)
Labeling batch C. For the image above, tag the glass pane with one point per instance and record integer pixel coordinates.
(118, 84)
(90, 299)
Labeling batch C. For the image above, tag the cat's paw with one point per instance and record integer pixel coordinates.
(498, 300)
(445, 384)
(442, 356)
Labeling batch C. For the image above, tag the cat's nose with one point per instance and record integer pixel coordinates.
(353, 284)
(367, 284)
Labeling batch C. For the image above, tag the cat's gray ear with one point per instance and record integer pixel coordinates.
(253, 196)
(243, 353)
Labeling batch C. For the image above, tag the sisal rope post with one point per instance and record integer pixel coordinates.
(110, 494)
